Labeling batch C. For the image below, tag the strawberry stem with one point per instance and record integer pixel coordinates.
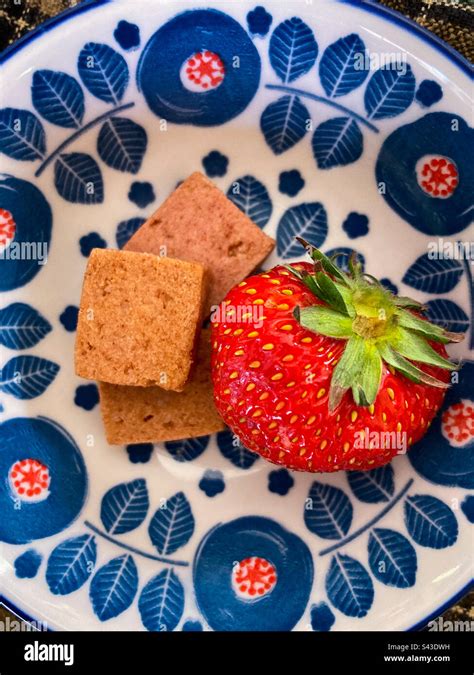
(378, 326)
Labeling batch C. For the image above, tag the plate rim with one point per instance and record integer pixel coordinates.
(370, 6)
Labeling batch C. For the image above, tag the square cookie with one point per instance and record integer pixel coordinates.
(151, 415)
(138, 319)
(199, 223)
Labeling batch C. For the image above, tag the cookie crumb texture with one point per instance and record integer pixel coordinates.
(150, 414)
(199, 223)
(138, 319)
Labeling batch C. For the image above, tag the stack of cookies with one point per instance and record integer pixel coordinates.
(139, 331)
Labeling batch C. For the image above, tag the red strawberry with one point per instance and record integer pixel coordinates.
(319, 370)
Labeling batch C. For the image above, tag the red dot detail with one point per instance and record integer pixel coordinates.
(205, 69)
(458, 422)
(254, 577)
(440, 175)
(29, 477)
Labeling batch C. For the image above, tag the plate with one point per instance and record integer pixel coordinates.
(337, 120)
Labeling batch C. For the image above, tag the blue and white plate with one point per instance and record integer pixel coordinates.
(336, 120)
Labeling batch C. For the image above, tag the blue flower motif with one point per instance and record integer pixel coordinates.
(90, 241)
(140, 453)
(467, 507)
(259, 21)
(291, 182)
(212, 483)
(356, 225)
(68, 318)
(400, 167)
(141, 194)
(60, 503)
(27, 564)
(127, 35)
(215, 164)
(32, 218)
(227, 545)
(280, 482)
(178, 96)
(429, 92)
(386, 283)
(87, 396)
(192, 625)
(439, 458)
(322, 617)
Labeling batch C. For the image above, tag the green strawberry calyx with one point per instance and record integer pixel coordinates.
(378, 326)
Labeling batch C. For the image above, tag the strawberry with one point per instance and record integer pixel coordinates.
(322, 370)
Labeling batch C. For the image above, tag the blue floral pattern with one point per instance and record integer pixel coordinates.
(428, 93)
(127, 35)
(68, 318)
(27, 564)
(259, 21)
(180, 39)
(215, 164)
(142, 194)
(212, 483)
(49, 444)
(232, 542)
(90, 241)
(86, 396)
(291, 182)
(441, 134)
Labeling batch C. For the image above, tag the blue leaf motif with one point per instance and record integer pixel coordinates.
(121, 144)
(392, 558)
(372, 487)
(124, 507)
(430, 521)
(22, 326)
(161, 602)
(126, 229)
(284, 123)
(113, 587)
(337, 142)
(252, 198)
(447, 314)
(78, 179)
(308, 220)
(103, 71)
(390, 92)
(232, 449)
(349, 586)
(172, 525)
(187, 449)
(433, 275)
(328, 511)
(26, 377)
(58, 97)
(343, 66)
(70, 564)
(21, 135)
(293, 49)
